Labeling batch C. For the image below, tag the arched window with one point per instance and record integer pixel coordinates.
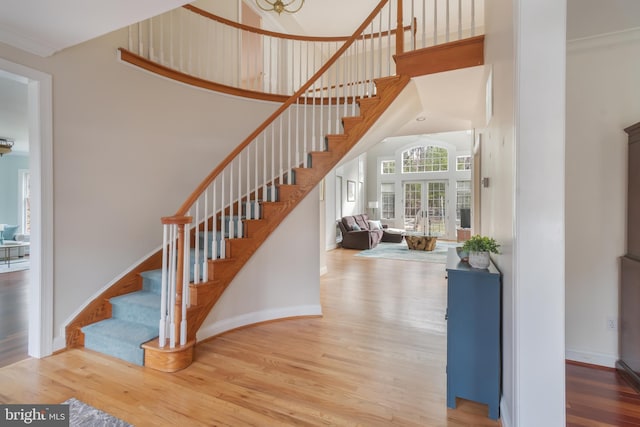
(425, 159)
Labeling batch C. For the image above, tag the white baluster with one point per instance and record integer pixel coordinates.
(314, 93)
(372, 84)
(473, 18)
(172, 287)
(322, 98)
(289, 132)
(171, 41)
(223, 224)
(162, 39)
(196, 261)
(265, 191)
(185, 286)
(162, 327)
(232, 225)
(214, 222)
(447, 22)
(249, 213)
(140, 43)
(304, 138)
(130, 38)
(413, 39)
(435, 22)
(205, 249)
(389, 39)
(256, 205)
(280, 152)
(151, 53)
(239, 224)
(273, 165)
(459, 19)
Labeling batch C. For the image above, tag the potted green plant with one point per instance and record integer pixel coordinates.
(479, 247)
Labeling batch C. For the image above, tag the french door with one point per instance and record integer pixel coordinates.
(425, 207)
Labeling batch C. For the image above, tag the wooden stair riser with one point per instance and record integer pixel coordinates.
(348, 123)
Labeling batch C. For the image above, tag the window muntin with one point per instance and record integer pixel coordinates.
(388, 195)
(388, 167)
(463, 163)
(425, 159)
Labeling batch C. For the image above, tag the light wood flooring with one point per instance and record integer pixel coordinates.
(376, 358)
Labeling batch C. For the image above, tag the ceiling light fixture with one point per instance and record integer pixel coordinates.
(421, 119)
(279, 6)
(5, 145)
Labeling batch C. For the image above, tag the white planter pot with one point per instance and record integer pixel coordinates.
(479, 259)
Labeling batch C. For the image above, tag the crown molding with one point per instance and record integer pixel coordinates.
(604, 40)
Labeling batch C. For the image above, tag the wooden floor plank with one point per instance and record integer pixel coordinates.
(377, 357)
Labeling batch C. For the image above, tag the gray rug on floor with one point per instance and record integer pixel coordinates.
(400, 251)
(83, 415)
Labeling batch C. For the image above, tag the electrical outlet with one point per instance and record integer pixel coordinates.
(612, 323)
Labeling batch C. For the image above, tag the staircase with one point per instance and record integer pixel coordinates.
(132, 331)
(151, 315)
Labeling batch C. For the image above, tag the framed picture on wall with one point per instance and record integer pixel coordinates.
(351, 191)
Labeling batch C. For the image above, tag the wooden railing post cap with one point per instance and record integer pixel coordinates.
(178, 220)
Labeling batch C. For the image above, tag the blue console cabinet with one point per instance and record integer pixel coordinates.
(473, 334)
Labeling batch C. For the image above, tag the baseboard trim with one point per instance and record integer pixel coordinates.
(591, 358)
(505, 417)
(236, 322)
(324, 270)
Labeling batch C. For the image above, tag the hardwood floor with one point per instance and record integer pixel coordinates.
(376, 358)
(600, 397)
(13, 316)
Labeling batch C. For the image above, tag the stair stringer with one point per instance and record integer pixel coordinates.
(222, 272)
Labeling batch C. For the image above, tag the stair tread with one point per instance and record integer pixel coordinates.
(122, 330)
(143, 298)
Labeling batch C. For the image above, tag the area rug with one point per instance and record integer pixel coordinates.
(400, 251)
(81, 415)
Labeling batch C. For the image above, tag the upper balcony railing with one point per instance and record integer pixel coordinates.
(196, 43)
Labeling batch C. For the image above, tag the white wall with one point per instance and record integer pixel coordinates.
(258, 293)
(602, 99)
(523, 207)
(128, 148)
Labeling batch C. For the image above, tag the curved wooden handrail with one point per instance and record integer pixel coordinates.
(263, 32)
(293, 98)
(154, 67)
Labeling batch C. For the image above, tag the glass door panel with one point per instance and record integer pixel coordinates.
(436, 214)
(425, 207)
(412, 205)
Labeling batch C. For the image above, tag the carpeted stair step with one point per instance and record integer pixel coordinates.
(139, 307)
(119, 338)
(152, 281)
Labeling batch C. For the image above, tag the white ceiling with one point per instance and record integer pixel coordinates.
(450, 101)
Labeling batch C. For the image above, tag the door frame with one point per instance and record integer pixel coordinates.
(40, 123)
(424, 202)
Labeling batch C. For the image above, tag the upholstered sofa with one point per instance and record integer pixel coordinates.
(10, 235)
(360, 233)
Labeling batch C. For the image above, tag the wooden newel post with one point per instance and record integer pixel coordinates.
(400, 30)
(173, 266)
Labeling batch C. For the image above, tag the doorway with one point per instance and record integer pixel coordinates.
(425, 207)
(40, 117)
